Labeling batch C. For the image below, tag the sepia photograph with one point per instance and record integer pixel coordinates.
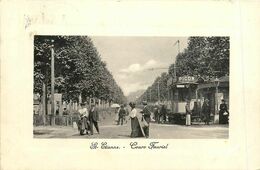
(168, 85)
(131, 87)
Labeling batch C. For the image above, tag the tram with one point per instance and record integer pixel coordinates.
(182, 90)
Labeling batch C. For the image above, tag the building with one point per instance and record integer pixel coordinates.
(196, 90)
(214, 90)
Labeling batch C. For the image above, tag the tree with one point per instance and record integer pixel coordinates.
(151, 94)
(78, 69)
(205, 56)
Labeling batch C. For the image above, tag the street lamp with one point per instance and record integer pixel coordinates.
(216, 82)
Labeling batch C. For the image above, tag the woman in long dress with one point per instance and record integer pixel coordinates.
(223, 113)
(135, 126)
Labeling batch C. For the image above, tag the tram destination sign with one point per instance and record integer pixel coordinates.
(180, 86)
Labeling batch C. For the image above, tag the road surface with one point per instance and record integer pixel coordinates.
(109, 130)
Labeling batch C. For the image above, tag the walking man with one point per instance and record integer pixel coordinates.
(206, 111)
(147, 117)
(126, 113)
(121, 115)
(93, 118)
(163, 113)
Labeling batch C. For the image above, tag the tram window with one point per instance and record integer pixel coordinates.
(183, 95)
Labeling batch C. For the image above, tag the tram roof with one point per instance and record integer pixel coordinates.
(178, 83)
(201, 81)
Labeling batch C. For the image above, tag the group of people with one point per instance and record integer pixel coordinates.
(88, 119)
(160, 114)
(140, 121)
(223, 112)
(206, 111)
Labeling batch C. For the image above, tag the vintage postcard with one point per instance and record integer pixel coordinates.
(129, 85)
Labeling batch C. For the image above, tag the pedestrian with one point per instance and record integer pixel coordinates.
(206, 111)
(163, 113)
(188, 113)
(136, 130)
(127, 113)
(121, 115)
(117, 114)
(83, 123)
(93, 118)
(223, 113)
(156, 115)
(147, 118)
(57, 108)
(65, 111)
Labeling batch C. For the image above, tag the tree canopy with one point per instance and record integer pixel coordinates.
(151, 94)
(78, 69)
(205, 57)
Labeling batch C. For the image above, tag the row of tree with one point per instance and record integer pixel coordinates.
(78, 69)
(205, 57)
(157, 91)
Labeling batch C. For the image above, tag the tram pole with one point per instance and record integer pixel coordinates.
(175, 76)
(178, 46)
(174, 66)
(158, 86)
(150, 94)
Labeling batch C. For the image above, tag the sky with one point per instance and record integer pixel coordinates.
(130, 59)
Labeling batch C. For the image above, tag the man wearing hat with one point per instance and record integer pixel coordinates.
(206, 111)
(93, 118)
(121, 115)
(147, 117)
